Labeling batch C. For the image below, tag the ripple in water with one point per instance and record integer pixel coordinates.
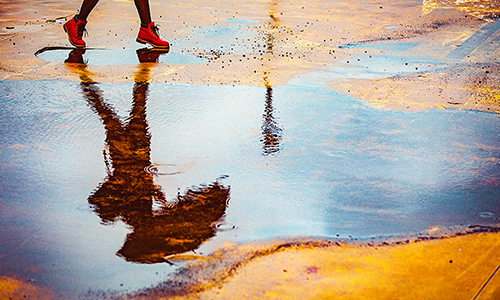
(162, 169)
(486, 215)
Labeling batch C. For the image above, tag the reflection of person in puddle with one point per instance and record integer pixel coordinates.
(148, 33)
(129, 191)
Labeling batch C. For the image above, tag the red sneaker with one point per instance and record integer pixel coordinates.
(75, 32)
(150, 35)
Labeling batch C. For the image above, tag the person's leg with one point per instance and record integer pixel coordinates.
(87, 7)
(142, 9)
(76, 25)
(148, 33)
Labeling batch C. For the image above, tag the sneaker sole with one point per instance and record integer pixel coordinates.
(71, 42)
(141, 41)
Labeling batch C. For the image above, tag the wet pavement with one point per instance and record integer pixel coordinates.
(346, 122)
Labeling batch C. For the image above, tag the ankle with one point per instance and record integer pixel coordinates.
(147, 25)
(79, 18)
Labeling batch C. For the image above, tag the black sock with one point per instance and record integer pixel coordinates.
(144, 25)
(77, 18)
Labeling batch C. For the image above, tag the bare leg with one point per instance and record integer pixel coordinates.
(142, 9)
(87, 7)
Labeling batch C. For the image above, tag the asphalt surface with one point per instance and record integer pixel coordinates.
(439, 59)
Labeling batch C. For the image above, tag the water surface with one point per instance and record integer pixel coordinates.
(296, 160)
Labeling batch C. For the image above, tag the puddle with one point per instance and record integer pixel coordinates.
(101, 181)
(116, 57)
(296, 161)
